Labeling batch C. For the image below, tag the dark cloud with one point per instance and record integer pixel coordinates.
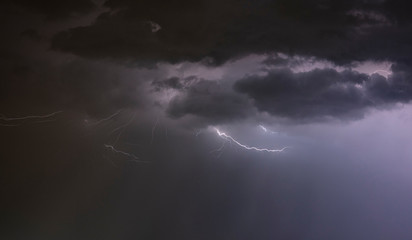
(31, 34)
(210, 100)
(95, 88)
(54, 9)
(397, 88)
(342, 32)
(88, 86)
(324, 93)
(316, 95)
(194, 31)
(396, 10)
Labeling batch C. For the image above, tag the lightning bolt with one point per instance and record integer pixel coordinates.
(118, 131)
(129, 155)
(122, 128)
(219, 150)
(106, 119)
(7, 119)
(17, 121)
(230, 138)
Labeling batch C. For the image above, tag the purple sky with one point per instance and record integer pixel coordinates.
(109, 111)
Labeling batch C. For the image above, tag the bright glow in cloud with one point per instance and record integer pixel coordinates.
(266, 130)
(368, 67)
(263, 128)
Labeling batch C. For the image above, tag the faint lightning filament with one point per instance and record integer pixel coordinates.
(129, 155)
(4, 118)
(106, 119)
(266, 130)
(263, 128)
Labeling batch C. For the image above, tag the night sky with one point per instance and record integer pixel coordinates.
(212, 120)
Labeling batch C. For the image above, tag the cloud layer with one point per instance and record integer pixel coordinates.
(341, 32)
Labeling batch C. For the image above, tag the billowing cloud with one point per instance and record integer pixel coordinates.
(323, 93)
(210, 100)
(317, 94)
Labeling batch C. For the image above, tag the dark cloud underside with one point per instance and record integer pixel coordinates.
(320, 94)
(56, 9)
(341, 31)
(210, 100)
(323, 93)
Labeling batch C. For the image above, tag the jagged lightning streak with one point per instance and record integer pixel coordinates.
(230, 138)
(18, 121)
(7, 119)
(122, 128)
(106, 119)
(132, 156)
(220, 149)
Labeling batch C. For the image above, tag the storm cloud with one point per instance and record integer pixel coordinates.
(53, 10)
(341, 32)
(210, 100)
(213, 33)
(323, 93)
(320, 94)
